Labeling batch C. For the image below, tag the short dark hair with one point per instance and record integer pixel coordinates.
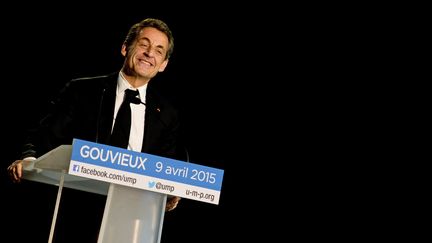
(150, 22)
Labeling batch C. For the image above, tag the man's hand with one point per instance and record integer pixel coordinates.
(15, 171)
(171, 203)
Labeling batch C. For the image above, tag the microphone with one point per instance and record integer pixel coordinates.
(99, 114)
(137, 101)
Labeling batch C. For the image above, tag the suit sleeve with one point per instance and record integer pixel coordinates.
(52, 130)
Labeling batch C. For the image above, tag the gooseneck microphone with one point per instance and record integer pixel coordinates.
(99, 114)
(137, 101)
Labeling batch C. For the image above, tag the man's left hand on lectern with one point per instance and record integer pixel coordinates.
(171, 203)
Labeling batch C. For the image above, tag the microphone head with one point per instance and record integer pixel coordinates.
(135, 100)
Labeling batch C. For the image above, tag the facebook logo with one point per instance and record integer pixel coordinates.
(75, 168)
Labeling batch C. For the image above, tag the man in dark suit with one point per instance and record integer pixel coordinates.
(87, 107)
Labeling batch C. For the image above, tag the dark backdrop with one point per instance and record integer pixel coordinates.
(42, 50)
(253, 84)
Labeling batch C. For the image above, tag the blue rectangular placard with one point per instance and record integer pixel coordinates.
(145, 171)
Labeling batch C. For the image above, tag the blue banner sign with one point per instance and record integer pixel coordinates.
(145, 171)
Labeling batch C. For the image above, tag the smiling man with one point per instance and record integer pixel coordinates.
(89, 108)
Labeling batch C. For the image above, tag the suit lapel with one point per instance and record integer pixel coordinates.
(152, 121)
(107, 109)
(153, 124)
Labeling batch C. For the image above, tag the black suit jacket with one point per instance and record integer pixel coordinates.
(85, 109)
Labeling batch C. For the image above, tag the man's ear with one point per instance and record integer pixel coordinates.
(124, 50)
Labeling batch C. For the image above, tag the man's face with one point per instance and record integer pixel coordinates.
(146, 57)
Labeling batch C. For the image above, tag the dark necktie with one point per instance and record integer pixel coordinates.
(120, 134)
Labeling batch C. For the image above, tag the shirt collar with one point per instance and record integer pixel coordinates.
(123, 84)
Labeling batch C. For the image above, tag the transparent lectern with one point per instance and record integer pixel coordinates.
(131, 214)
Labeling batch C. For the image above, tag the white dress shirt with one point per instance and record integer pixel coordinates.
(138, 113)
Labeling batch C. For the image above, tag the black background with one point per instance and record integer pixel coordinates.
(42, 50)
(268, 93)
